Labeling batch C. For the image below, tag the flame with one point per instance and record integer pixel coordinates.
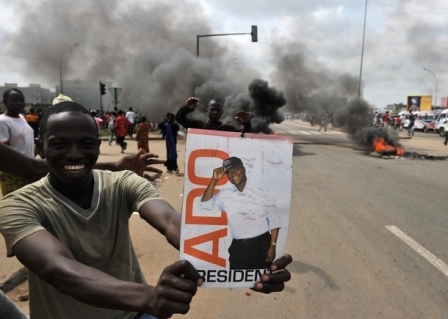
(380, 146)
(275, 133)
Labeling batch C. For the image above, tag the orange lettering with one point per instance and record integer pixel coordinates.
(214, 238)
(201, 220)
(192, 163)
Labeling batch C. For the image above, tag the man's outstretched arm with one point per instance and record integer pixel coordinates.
(32, 169)
(52, 261)
(29, 169)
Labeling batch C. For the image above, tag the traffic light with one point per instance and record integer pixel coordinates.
(254, 33)
(102, 88)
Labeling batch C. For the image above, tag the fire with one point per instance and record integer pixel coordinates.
(380, 146)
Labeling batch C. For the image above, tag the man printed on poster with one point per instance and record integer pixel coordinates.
(253, 220)
(235, 208)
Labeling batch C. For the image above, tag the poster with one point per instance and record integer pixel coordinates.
(235, 209)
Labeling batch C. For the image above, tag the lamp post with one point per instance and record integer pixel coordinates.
(435, 78)
(362, 51)
(60, 64)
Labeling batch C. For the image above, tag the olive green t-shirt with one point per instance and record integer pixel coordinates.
(98, 236)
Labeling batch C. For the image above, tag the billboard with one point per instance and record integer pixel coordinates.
(419, 102)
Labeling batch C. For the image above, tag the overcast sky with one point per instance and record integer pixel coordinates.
(402, 37)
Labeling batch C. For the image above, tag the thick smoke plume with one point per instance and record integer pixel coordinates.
(262, 101)
(308, 85)
(356, 117)
(147, 48)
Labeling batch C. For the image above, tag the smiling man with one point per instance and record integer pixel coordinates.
(71, 230)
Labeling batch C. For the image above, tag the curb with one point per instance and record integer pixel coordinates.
(14, 280)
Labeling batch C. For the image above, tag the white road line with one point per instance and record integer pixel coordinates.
(436, 262)
(304, 132)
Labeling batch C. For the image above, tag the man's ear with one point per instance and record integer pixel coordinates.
(39, 147)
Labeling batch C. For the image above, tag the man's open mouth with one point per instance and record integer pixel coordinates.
(74, 169)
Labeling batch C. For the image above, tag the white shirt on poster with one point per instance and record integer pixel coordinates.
(250, 213)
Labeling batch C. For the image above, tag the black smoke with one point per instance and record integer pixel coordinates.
(357, 119)
(262, 101)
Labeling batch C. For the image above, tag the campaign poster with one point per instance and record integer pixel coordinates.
(236, 202)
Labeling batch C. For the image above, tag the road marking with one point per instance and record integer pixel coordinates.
(304, 132)
(436, 262)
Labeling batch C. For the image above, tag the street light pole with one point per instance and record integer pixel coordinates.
(362, 52)
(60, 65)
(435, 78)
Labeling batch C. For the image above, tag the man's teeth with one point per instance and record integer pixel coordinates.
(74, 168)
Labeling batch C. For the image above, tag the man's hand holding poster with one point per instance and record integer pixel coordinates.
(235, 211)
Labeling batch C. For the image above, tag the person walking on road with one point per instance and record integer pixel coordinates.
(121, 130)
(386, 120)
(324, 122)
(411, 124)
(130, 115)
(111, 127)
(170, 129)
(142, 135)
(33, 120)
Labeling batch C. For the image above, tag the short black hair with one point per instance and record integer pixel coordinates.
(62, 107)
(8, 91)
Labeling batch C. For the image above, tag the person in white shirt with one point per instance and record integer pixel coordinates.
(253, 219)
(16, 133)
(130, 115)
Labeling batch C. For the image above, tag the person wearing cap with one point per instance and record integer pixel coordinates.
(214, 112)
(253, 219)
(61, 98)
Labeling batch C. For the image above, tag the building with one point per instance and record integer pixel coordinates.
(35, 95)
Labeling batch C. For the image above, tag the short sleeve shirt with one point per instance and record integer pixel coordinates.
(98, 236)
(16, 132)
